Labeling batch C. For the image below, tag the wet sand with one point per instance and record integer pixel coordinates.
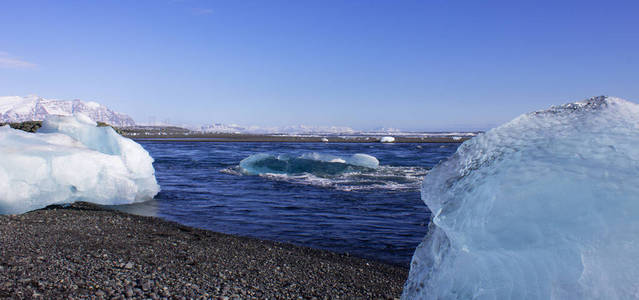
(84, 250)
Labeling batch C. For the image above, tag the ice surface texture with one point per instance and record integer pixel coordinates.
(312, 163)
(543, 207)
(70, 159)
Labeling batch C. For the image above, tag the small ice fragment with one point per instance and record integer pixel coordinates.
(387, 139)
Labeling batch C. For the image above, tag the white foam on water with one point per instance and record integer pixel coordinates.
(388, 178)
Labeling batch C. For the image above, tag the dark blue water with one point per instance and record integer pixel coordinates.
(376, 214)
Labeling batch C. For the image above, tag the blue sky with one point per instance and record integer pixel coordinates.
(415, 65)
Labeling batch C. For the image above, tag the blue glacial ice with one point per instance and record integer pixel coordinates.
(358, 172)
(70, 159)
(311, 163)
(543, 207)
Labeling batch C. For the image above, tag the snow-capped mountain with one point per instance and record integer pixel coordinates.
(326, 130)
(34, 108)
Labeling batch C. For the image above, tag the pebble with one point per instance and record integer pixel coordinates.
(129, 292)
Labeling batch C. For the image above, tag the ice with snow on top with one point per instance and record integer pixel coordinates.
(70, 159)
(543, 207)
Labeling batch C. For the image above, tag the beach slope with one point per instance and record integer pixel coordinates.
(84, 250)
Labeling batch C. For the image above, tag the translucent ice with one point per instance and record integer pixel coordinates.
(543, 207)
(311, 163)
(70, 159)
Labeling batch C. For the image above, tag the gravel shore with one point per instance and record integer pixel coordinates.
(84, 251)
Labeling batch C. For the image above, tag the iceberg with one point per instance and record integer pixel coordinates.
(358, 172)
(311, 163)
(545, 206)
(71, 159)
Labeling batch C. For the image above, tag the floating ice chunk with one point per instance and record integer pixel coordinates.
(70, 159)
(363, 160)
(543, 207)
(312, 163)
(387, 139)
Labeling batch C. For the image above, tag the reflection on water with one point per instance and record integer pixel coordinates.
(148, 208)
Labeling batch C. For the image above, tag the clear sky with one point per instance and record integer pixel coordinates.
(428, 65)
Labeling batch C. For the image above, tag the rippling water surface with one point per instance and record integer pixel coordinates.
(374, 213)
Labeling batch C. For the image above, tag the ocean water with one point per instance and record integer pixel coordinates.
(371, 213)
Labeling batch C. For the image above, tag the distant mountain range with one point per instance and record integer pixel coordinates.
(34, 108)
(322, 130)
(299, 129)
(15, 109)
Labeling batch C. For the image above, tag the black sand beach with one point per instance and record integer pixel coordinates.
(83, 250)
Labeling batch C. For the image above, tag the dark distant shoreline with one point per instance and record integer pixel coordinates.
(293, 138)
(178, 134)
(83, 250)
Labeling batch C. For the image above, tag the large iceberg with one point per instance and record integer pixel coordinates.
(543, 207)
(70, 159)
